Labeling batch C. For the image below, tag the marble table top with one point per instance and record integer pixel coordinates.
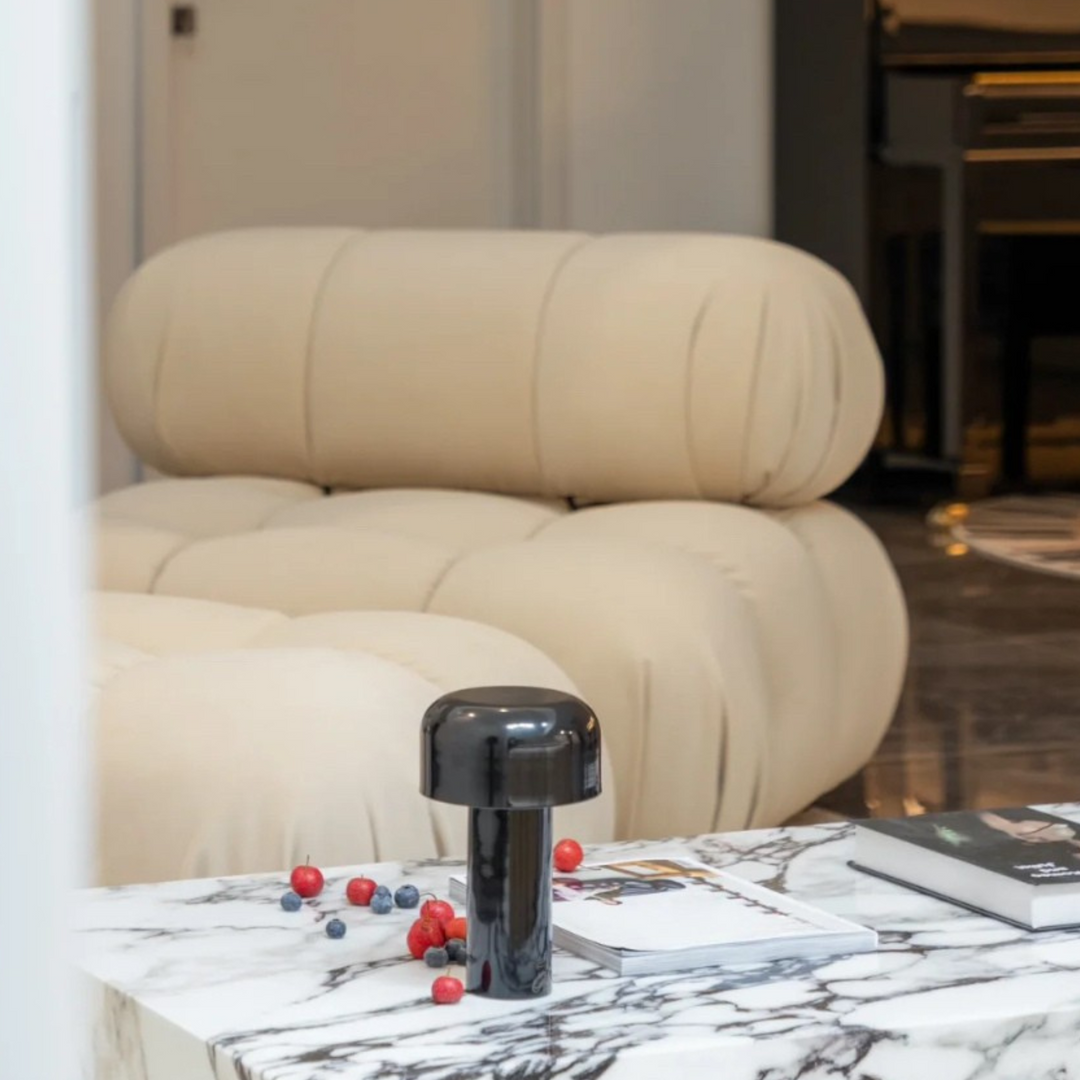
(211, 980)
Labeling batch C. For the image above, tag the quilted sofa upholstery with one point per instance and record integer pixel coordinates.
(611, 449)
(293, 736)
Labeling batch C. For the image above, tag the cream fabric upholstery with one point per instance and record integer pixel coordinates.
(358, 422)
(741, 662)
(602, 369)
(234, 740)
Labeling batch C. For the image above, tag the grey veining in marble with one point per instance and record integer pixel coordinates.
(211, 980)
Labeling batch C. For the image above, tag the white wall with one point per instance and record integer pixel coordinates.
(346, 112)
(668, 107)
(44, 326)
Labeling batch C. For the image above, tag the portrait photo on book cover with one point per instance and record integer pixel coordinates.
(1009, 837)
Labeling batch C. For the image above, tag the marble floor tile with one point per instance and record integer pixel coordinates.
(990, 713)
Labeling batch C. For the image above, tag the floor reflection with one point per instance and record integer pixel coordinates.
(989, 715)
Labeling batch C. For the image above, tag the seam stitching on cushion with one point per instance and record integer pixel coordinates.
(534, 533)
(755, 380)
(813, 564)
(722, 760)
(801, 393)
(755, 798)
(159, 368)
(731, 572)
(814, 478)
(541, 325)
(688, 392)
(164, 564)
(316, 305)
(439, 579)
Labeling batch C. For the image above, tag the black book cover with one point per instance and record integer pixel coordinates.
(1024, 844)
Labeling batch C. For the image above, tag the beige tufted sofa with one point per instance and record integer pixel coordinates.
(401, 462)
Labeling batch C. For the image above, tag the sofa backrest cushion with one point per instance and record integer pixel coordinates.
(537, 363)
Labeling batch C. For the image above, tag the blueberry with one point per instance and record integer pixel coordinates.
(335, 928)
(382, 903)
(455, 950)
(408, 896)
(381, 890)
(291, 901)
(435, 957)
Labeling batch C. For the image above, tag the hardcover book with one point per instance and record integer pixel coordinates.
(645, 917)
(1020, 865)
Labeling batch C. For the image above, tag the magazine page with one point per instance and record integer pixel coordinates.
(660, 904)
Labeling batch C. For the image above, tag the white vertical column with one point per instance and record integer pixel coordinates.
(44, 255)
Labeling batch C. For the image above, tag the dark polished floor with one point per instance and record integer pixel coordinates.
(990, 714)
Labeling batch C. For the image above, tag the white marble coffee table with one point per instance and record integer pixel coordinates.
(211, 980)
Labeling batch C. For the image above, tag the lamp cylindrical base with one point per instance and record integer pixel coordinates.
(509, 903)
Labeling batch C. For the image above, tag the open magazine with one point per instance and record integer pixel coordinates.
(647, 916)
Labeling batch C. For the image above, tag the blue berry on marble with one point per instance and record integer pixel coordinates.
(408, 896)
(436, 957)
(291, 901)
(382, 903)
(335, 928)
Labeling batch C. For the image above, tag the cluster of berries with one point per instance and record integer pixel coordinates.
(443, 933)
(438, 936)
(363, 892)
(307, 882)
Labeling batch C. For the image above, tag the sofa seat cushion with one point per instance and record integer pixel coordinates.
(168, 536)
(742, 662)
(233, 740)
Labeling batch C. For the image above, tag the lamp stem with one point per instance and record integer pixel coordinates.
(509, 903)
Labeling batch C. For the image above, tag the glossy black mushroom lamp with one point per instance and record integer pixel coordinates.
(509, 753)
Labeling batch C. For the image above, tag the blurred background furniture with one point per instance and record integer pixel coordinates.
(926, 148)
(611, 449)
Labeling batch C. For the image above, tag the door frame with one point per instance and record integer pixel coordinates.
(153, 165)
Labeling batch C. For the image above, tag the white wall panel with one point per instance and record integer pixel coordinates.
(668, 107)
(338, 112)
